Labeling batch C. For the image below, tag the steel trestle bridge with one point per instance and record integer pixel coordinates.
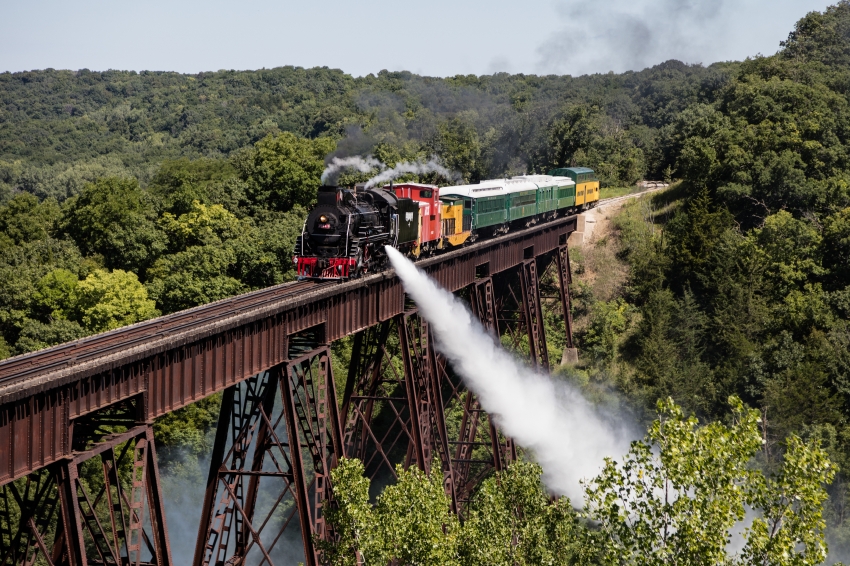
(283, 424)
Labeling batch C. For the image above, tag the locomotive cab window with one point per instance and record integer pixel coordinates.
(467, 204)
(425, 194)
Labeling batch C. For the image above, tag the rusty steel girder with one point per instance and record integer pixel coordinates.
(67, 521)
(532, 313)
(177, 359)
(281, 444)
(281, 429)
(565, 279)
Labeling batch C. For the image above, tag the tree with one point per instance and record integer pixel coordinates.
(180, 182)
(675, 499)
(679, 493)
(692, 236)
(114, 218)
(284, 170)
(608, 320)
(202, 225)
(836, 248)
(25, 219)
(790, 247)
(513, 521)
(36, 335)
(458, 146)
(409, 524)
(107, 300)
(55, 294)
(203, 265)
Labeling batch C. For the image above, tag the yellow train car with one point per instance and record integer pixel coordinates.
(587, 185)
(455, 228)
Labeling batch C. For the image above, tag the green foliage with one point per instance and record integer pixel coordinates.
(692, 235)
(55, 294)
(351, 517)
(410, 523)
(836, 248)
(110, 299)
(201, 225)
(791, 249)
(512, 521)
(35, 335)
(24, 219)
(186, 429)
(678, 494)
(113, 218)
(608, 320)
(194, 276)
(585, 135)
(677, 498)
(458, 145)
(181, 182)
(284, 170)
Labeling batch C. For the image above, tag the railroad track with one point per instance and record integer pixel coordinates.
(612, 200)
(121, 340)
(128, 337)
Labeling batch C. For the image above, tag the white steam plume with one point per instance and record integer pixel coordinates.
(418, 167)
(567, 435)
(337, 164)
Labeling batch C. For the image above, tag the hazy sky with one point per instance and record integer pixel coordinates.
(438, 38)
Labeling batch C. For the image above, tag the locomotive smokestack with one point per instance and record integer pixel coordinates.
(329, 195)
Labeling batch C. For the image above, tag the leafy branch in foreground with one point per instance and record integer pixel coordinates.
(681, 492)
(677, 498)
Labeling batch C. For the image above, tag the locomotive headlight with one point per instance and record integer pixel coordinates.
(323, 219)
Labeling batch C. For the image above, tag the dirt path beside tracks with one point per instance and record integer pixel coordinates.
(596, 220)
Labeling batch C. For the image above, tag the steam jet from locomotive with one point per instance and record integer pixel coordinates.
(345, 233)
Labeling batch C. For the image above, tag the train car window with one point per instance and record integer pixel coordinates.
(467, 204)
(425, 194)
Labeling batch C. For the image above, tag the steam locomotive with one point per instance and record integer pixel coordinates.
(345, 233)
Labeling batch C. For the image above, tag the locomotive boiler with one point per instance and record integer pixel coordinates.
(345, 233)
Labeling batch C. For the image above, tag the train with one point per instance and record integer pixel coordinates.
(345, 233)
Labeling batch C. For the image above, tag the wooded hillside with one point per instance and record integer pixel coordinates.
(124, 195)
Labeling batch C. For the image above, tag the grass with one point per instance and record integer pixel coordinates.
(610, 192)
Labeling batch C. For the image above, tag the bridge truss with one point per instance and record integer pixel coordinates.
(285, 419)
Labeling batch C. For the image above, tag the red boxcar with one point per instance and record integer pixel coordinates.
(428, 197)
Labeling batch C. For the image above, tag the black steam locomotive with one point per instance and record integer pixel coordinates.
(345, 234)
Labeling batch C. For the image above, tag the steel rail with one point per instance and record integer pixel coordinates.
(123, 343)
(121, 338)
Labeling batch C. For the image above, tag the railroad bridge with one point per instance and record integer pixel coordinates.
(283, 423)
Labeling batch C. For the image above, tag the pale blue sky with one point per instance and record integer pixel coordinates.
(438, 38)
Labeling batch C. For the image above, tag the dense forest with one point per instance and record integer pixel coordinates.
(124, 195)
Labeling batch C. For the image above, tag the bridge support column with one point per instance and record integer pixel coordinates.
(64, 520)
(483, 297)
(425, 398)
(380, 429)
(565, 279)
(533, 314)
(268, 454)
(310, 405)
